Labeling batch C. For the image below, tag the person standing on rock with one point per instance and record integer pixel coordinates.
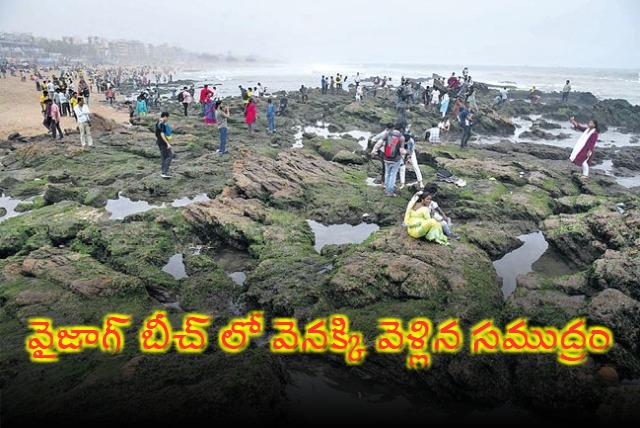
(565, 91)
(303, 94)
(377, 148)
(222, 115)
(410, 156)
(435, 96)
(359, 93)
(84, 122)
(393, 152)
(203, 97)
(332, 86)
(271, 116)
(209, 110)
(464, 119)
(250, 115)
(163, 144)
(186, 99)
(401, 112)
(583, 152)
(444, 104)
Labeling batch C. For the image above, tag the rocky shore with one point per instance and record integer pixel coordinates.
(61, 256)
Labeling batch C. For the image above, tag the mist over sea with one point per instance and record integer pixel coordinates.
(603, 83)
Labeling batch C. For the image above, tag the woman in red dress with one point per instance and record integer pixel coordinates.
(582, 154)
(250, 115)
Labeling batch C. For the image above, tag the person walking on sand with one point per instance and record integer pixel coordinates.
(271, 116)
(163, 144)
(565, 91)
(55, 121)
(223, 115)
(110, 96)
(84, 122)
(64, 104)
(583, 152)
(250, 115)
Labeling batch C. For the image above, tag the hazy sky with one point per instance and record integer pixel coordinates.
(583, 33)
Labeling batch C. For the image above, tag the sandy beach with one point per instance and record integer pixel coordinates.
(20, 109)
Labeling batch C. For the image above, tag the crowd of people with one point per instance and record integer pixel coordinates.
(68, 93)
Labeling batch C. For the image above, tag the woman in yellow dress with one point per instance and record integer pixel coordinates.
(419, 221)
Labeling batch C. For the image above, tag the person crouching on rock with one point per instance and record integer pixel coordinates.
(583, 152)
(418, 220)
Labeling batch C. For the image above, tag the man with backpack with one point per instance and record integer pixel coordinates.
(163, 144)
(392, 142)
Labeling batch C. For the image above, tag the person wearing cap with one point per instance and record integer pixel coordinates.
(84, 122)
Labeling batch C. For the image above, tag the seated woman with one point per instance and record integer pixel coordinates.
(418, 220)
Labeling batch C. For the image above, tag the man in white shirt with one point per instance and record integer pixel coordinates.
(84, 122)
(435, 97)
(504, 94)
(565, 91)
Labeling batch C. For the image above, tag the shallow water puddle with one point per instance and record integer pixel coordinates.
(322, 130)
(316, 385)
(9, 204)
(238, 277)
(183, 202)
(372, 182)
(175, 267)
(123, 206)
(520, 261)
(607, 167)
(340, 233)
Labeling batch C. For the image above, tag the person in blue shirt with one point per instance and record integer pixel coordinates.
(464, 119)
(271, 116)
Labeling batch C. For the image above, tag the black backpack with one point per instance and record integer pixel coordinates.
(181, 96)
(85, 92)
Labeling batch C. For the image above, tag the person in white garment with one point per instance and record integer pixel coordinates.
(410, 157)
(84, 122)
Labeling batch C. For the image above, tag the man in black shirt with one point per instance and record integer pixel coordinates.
(163, 144)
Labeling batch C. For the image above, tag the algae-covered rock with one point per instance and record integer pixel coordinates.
(619, 270)
(617, 311)
(51, 225)
(347, 157)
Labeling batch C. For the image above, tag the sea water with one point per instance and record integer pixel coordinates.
(603, 83)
